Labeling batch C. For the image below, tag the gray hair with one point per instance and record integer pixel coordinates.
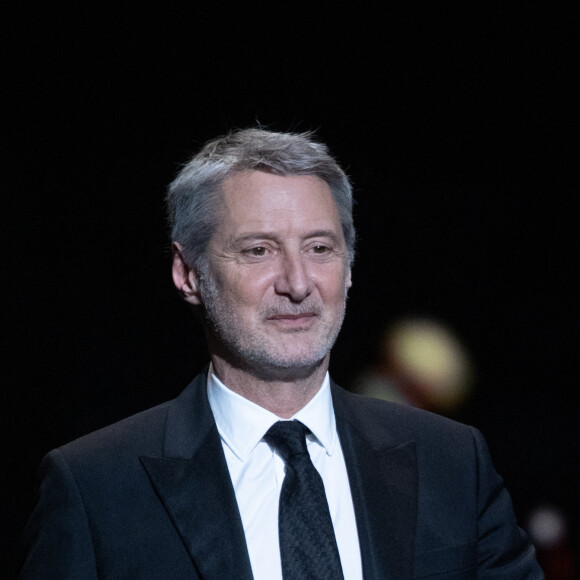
(193, 196)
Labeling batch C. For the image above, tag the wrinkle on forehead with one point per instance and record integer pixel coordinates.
(261, 202)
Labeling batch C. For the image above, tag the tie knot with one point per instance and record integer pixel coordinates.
(288, 438)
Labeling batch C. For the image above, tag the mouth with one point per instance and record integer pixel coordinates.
(293, 321)
(301, 316)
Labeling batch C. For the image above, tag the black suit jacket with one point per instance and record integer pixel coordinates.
(151, 497)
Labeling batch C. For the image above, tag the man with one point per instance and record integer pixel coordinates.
(263, 468)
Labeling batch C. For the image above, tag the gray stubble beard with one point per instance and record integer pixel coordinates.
(254, 352)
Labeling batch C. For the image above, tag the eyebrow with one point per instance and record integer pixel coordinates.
(270, 235)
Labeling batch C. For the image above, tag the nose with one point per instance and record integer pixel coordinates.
(293, 279)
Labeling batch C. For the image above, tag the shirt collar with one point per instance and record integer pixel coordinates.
(242, 424)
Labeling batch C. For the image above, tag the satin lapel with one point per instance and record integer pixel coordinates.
(193, 483)
(383, 479)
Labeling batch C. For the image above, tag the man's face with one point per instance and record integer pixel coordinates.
(277, 275)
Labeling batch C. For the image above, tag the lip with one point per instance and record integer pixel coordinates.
(302, 316)
(293, 321)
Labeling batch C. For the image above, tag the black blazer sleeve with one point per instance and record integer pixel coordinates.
(503, 549)
(58, 535)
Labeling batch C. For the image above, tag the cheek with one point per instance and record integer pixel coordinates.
(248, 287)
(333, 286)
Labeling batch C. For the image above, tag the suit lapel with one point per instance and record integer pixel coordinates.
(194, 486)
(383, 479)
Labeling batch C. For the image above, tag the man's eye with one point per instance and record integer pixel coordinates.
(258, 251)
(320, 249)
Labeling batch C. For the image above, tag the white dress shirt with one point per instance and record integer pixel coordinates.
(257, 474)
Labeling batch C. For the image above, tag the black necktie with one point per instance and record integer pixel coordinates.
(307, 544)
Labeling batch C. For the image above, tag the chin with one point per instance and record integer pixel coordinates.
(305, 359)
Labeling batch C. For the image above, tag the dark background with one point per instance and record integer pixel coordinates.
(454, 122)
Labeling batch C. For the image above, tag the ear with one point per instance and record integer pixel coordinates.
(349, 279)
(185, 278)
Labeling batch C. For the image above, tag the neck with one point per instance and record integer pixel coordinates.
(283, 393)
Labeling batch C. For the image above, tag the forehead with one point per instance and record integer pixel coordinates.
(259, 199)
